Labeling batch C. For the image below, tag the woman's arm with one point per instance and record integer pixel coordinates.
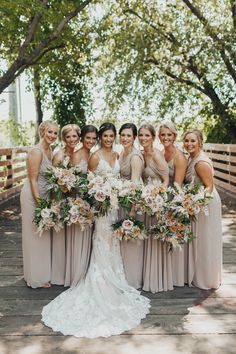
(205, 173)
(33, 167)
(93, 162)
(162, 166)
(180, 165)
(136, 168)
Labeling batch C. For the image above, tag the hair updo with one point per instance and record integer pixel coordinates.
(44, 126)
(198, 134)
(170, 126)
(150, 128)
(67, 128)
(131, 126)
(106, 126)
(88, 129)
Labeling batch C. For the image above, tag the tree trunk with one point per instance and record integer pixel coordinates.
(38, 102)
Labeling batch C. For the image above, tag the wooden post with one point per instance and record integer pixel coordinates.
(9, 168)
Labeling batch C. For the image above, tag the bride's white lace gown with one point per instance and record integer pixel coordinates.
(102, 304)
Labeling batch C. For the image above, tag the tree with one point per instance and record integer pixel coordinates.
(32, 28)
(69, 105)
(181, 51)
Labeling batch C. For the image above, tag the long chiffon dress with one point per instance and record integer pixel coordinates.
(36, 249)
(71, 249)
(102, 303)
(78, 247)
(132, 251)
(177, 254)
(204, 253)
(157, 272)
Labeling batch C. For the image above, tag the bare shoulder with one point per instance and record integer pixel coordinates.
(180, 157)
(203, 166)
(94, 156)
(93, 161)
(35, 154)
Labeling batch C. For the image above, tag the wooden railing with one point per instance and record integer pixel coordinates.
(12, 170)
(224, 161)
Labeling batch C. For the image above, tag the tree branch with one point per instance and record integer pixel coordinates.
(211, 32)
(46, 50)
(170, 37)
(233, 10)
(176, 77)
(23, 61)
(31, 32)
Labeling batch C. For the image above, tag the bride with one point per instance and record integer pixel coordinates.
(102, 304)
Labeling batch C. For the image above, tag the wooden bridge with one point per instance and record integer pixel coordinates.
(186, 320)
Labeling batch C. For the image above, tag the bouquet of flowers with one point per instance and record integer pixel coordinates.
(153, 198)
(129, 195)
(189, 200)
(174, 219)
(77, 211)
(47, 215)
(129, 229)
(102, 192)
(65, 177)
(172, 227)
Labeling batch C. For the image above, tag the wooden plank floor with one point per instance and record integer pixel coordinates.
(186, 320)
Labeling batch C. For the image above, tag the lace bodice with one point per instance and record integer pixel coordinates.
(105, 167)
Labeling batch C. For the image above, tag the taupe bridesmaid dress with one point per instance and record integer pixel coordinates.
(177, 254)
(204, 253)
(58, 253)
(131, 252)
(157, 272)
(78, 248)
(58, 256)
(36, 249)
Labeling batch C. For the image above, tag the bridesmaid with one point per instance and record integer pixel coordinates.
(79, 255)
(37, 250)
(204, 253)
(131, 168)
(70, 135)
(157, 273)
(71, 247)
(177, 168)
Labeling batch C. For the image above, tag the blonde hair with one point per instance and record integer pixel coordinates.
(44, 125)
(149, 127)
(170, 126)
(67, 128)
(198, 134)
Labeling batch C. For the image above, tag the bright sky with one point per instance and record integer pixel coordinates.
(27, 103)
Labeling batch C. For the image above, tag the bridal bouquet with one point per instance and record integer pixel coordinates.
(172, 227)
(65, 177)
(47, 215)
(102, 192)
(129, 229)
(189, 200)
(77, 211)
